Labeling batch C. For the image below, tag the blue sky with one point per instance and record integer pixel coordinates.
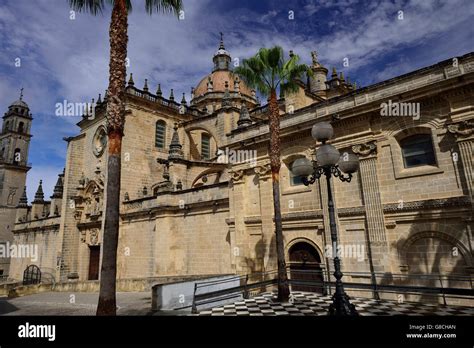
(65, 59)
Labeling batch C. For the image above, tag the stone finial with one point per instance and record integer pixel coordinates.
(106, 95)
(192, 93)
(131, 83)
(341, 76)
(126, 197)
(244, 118)
(175, 149)
(314, 57)
(58, 188)
(158, 91)
(183, 100)
(171, 95)
(99, 100)
(82, 181)
(39, 195)
(334, 73)
(145, 86)
(23, 203)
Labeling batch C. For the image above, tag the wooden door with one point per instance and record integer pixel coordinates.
(94, 260)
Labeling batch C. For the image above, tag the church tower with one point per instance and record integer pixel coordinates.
(14, 145)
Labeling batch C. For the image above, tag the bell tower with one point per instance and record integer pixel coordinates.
(15, 139)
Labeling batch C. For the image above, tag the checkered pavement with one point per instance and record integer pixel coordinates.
(304, 304)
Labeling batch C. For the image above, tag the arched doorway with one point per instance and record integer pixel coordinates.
(305, 264)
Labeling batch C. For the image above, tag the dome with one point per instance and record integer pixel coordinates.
(19, 103)
(219, 77)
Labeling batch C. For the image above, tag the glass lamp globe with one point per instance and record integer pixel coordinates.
(327, 155)
(302, 167)
(322, 131)
(348, 163)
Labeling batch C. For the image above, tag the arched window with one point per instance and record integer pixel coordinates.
(205, 146)
(417, 150)
(160, 134)
(20, 127)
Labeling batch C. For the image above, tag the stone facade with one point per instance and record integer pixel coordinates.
(185, 211)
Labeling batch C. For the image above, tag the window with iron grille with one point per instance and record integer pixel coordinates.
(205, 146)
(160, 134)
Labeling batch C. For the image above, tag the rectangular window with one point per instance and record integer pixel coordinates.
(417, 151)
(205, 147)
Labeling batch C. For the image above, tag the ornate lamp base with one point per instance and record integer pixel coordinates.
(341, 306)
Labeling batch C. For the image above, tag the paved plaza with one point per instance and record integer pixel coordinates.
(310, 304)
(139, 303)
(81, 303)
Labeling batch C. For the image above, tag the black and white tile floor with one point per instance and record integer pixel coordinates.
(305, 304)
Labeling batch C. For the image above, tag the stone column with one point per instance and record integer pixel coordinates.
(464, 133)
(377, 243)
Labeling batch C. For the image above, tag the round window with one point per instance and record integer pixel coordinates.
(99, 141)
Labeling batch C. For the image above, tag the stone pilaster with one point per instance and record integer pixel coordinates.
(236, 223)
(464, 133)
(373, 205)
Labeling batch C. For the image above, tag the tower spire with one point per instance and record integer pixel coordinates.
(221, 46)
(23, 199)
(21, 93)
(39, 195)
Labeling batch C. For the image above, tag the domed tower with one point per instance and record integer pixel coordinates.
(14, 145)
(221, 84)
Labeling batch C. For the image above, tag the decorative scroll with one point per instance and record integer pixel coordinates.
(365, 149)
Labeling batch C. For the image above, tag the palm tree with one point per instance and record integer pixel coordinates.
(115, 121)
(267, 71)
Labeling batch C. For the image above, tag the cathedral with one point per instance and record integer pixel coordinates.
(188, 208)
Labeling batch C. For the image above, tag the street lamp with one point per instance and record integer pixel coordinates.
(329, 162)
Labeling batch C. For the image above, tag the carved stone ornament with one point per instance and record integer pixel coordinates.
(263, 170)
(237, 175)
(365, 149)
(94, 237)
(463, 129)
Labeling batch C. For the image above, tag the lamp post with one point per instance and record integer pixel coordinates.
(329, 162)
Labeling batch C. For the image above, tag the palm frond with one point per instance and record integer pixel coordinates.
(163, 6)
(92, 6)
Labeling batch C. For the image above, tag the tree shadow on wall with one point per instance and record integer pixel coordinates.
(430, 257)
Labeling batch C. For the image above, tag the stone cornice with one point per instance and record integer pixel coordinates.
(428, 204)
(302, 215)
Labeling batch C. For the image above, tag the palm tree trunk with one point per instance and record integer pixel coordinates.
(274, 118)
(115, 121)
